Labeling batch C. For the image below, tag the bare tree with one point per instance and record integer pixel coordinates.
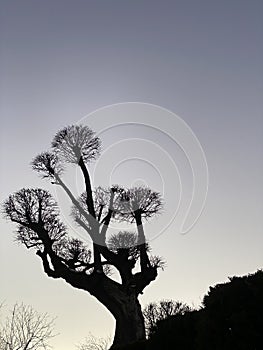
(155, 312)
(39, 227)
(26, 329)
(95, 343)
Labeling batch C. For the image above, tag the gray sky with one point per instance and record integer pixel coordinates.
(60, 60)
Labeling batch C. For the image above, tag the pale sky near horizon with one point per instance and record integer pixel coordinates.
(202, 60)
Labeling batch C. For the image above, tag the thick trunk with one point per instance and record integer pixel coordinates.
(129, 322)
(120, 299)
(122, 303)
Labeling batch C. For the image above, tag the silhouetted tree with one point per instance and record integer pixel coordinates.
(95, 343)
(38, 226)
(155, 312)
(26, 329)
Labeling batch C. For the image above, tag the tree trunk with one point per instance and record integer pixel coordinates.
(129, 322)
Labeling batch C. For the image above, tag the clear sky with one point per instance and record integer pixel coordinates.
(61, 60)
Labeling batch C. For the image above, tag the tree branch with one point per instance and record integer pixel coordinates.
(47, 269)
(107, 219)
(144, 259)
(90, 205)
(87, 216)
(142, 279)
(89, 199)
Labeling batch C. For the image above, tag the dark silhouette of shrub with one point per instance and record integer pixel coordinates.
(155, 312)
(175, 332)
(231, 317)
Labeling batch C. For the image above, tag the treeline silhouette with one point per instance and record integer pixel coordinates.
(231, 317)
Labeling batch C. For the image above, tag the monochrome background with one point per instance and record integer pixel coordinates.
(202, 60)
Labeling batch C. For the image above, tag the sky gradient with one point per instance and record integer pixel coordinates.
(61, 60)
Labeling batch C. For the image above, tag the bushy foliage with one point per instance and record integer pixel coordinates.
(232, 315)
(75, 141)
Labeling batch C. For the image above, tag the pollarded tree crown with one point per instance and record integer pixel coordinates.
(140, 200)
(105, 199)
(39, 227)
(75, 253)
(76, 141)
(48, 165)
(32, 208)
(124, 242)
